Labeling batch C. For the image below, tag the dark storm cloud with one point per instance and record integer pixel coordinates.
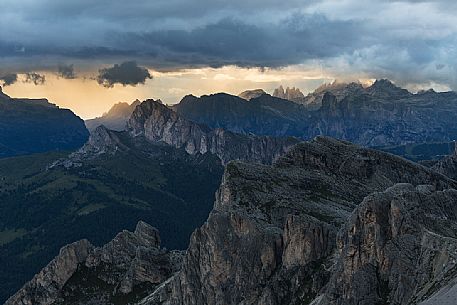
(66, 71)
(344, 36)
(126, 73)
(8, 79)
(34, 78)
(233, 42)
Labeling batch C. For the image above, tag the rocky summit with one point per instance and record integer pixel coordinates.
(157, 123)
(328, 223)
(122, 271)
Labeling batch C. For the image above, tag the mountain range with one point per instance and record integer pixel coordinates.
(323, 221)
(162, 169)
(381, 115)
(328, 223)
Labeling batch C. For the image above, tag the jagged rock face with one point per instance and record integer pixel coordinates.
(158, 123)
(291, 94)
(115, 119)
(35, 125)
(271, 236)
(44, 288)
(107, 186)
(380, 115)
(399, 247)
(383, 88)
(448, 166)
(120, 272)
(250, 94)
(338, 89)
(265, 115)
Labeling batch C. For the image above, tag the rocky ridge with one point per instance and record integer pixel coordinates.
(157, 123)
(126, 269)
(448, 165)
(380, 115)
(115, 118)
(328, 223)
(271, 237)
(399, 247)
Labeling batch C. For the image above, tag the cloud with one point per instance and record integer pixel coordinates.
(169, 35)
(34, 78)
(8, 79)
(126, 73)
(66, 71)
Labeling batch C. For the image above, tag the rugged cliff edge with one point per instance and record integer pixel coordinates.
(448, 165)
(271, 237)
(327, 223)
(157, 123)
(399, 247)
(123, 270)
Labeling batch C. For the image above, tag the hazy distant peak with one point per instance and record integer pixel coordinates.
(338, 85)
(385, 88)
(291, 94)
(250, 94)
(115, 118)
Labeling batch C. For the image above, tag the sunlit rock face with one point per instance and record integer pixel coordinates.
(157, 123)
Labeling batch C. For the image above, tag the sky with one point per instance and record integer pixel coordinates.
(87, 55)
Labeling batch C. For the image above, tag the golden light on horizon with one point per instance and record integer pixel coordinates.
(88, 99)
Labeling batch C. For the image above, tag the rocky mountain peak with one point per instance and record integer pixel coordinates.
(158, 123)
(250, 94)
(291, 94)
(127, 268)
(338, 86)
(329, 103)
(384, 88)
(147, 234)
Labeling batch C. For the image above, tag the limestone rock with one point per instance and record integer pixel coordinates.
(399, 247)
(448, 166)
(44, 288)
(271, 237)
(157, 123)
(124, 270)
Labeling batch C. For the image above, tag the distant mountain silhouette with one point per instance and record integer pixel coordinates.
(35, 125)
(115, 118)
